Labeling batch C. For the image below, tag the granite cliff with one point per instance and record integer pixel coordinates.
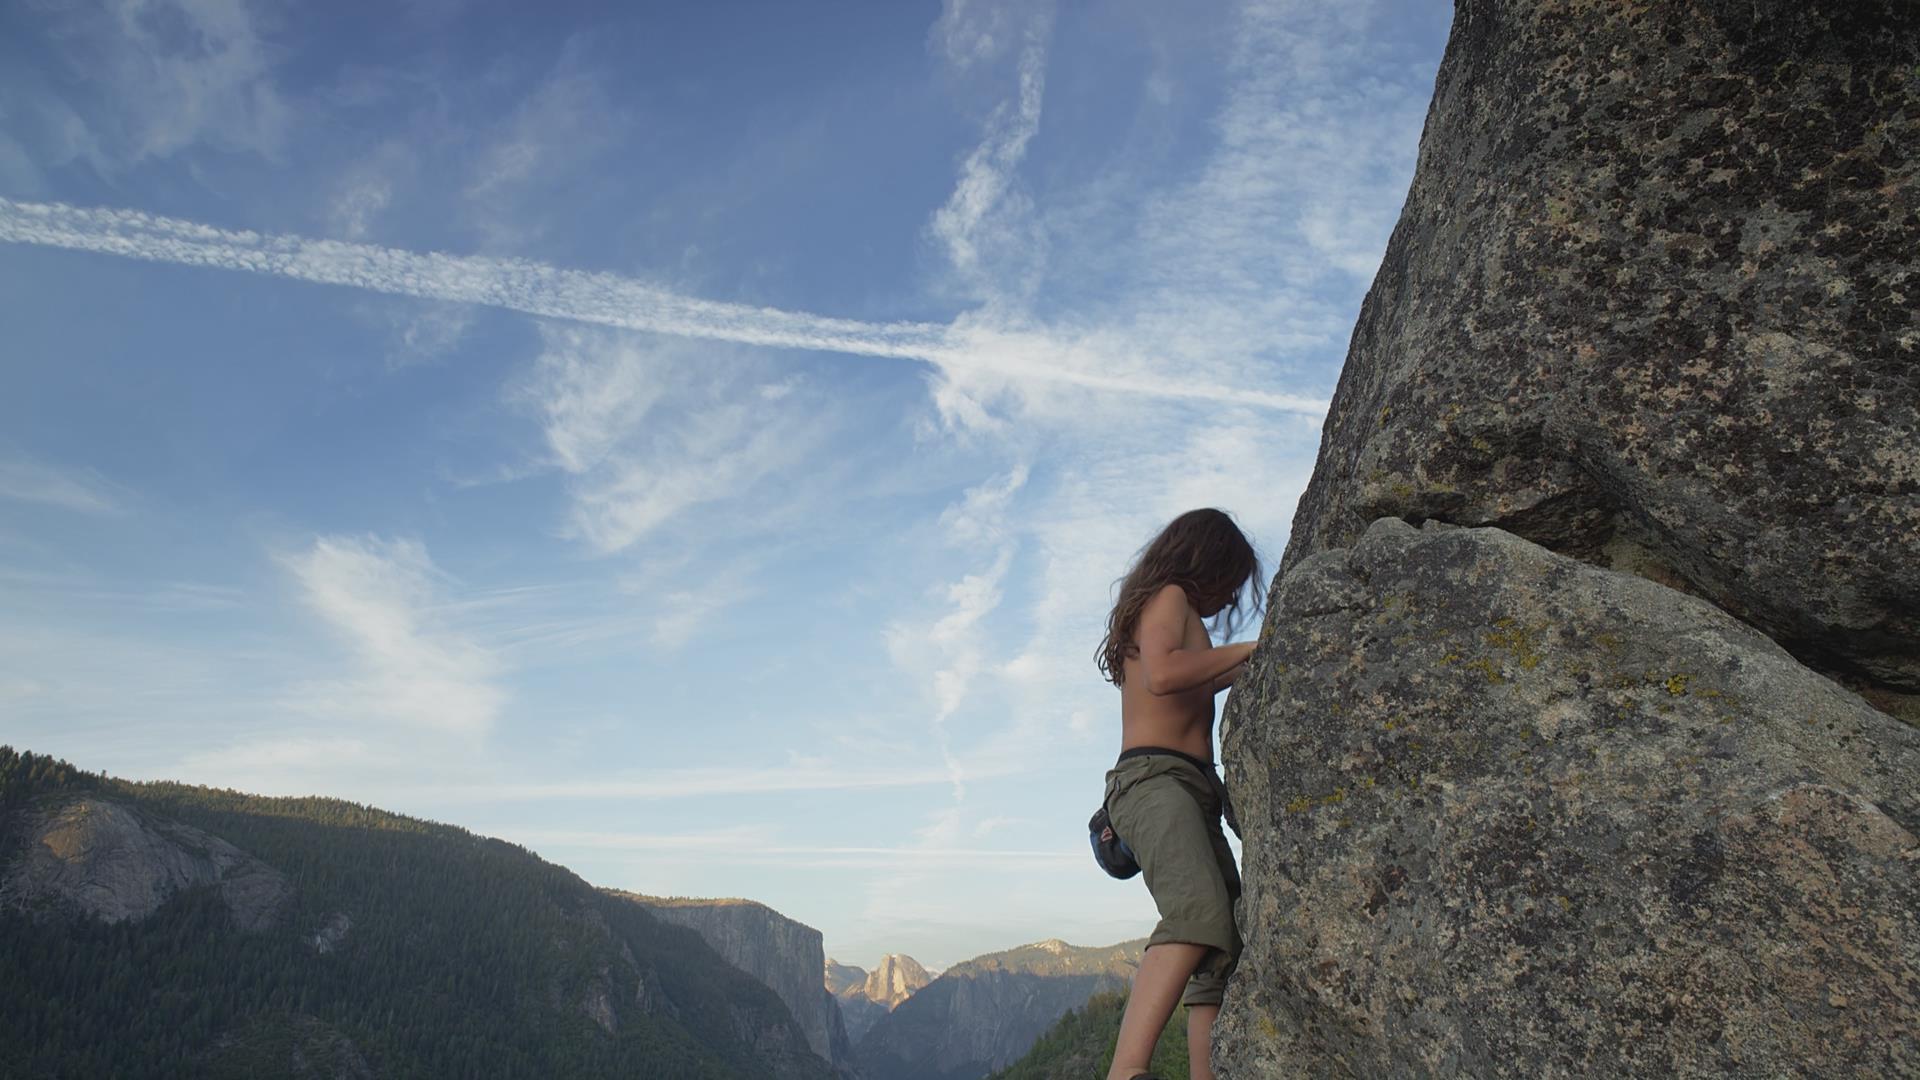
(1578, 742)
(865, 996)
(786, 955)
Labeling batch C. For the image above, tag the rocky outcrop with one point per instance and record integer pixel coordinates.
(1651, 302)
(112, 862)
(985, 1013)
(865, 997)
(331, 934)
(1509, 814)
(786, 955)
(1558, 784)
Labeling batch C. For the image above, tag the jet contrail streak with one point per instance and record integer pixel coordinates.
(584, 296)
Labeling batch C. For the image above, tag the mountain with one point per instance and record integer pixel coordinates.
(1080, 1045)
(843, 977)
(782, 953)
(155, 929)
(984, 1013)
(866, 996)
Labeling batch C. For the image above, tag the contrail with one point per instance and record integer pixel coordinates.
(583, 296)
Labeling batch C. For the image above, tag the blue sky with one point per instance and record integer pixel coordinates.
(696, 441)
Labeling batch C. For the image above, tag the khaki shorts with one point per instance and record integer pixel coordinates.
(1168, 811)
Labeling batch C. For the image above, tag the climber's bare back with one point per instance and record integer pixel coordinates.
(1183, 721)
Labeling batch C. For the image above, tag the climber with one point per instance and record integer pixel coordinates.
(1163, 796)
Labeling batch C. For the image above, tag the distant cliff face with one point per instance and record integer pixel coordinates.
(1606, 769)
(788, 956)
(112, 862)
(865, 997)
(985, 1013)
(895, 980)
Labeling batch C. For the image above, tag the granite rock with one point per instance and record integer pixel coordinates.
(115, 863)
(1511, 814)
(1652, 302)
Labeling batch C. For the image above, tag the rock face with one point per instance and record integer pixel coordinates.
(864, 997)
(114, 863)
(1651, 302)
(1509, 814)
(985, 1013)
(786, 955)
(895, 980)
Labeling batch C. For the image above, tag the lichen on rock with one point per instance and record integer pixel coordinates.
(1652, 302)
(1510, 814)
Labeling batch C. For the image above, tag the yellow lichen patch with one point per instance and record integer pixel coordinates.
(1386, 412)
(1677, 684)
(1486, 668)
(1299, 804)
(1520, 641)
(1565, 904)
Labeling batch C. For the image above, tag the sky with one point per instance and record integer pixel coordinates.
(699, 442)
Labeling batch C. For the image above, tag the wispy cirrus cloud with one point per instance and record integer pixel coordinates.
(380, 596)
(150, 78)
(80, 490)
(761, 845)
(648, 429)
(988, 228)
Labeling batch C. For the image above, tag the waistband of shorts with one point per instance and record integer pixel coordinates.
(1140, 751)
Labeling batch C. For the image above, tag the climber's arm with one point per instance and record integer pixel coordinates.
(1171, 669)
(1226, 680)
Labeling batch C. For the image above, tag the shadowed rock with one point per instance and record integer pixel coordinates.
(1651, 302)
(1510, 814)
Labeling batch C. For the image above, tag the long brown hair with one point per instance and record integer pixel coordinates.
(1204, 553)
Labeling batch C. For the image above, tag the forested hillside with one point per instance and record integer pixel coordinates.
(397, 947)
(1080, 1044)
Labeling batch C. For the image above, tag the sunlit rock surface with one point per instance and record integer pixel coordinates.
(114, 863)
(1652, 302)
(1509, 814)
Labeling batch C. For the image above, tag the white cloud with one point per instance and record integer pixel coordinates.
(797, 774)
(563, 125)
(650, 430)
(161, 76)
(380, 597)
(987, 226)
(82, 490)
(761, 845)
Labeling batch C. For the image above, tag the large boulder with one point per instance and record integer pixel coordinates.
(1511, 814)
(1651, 302)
